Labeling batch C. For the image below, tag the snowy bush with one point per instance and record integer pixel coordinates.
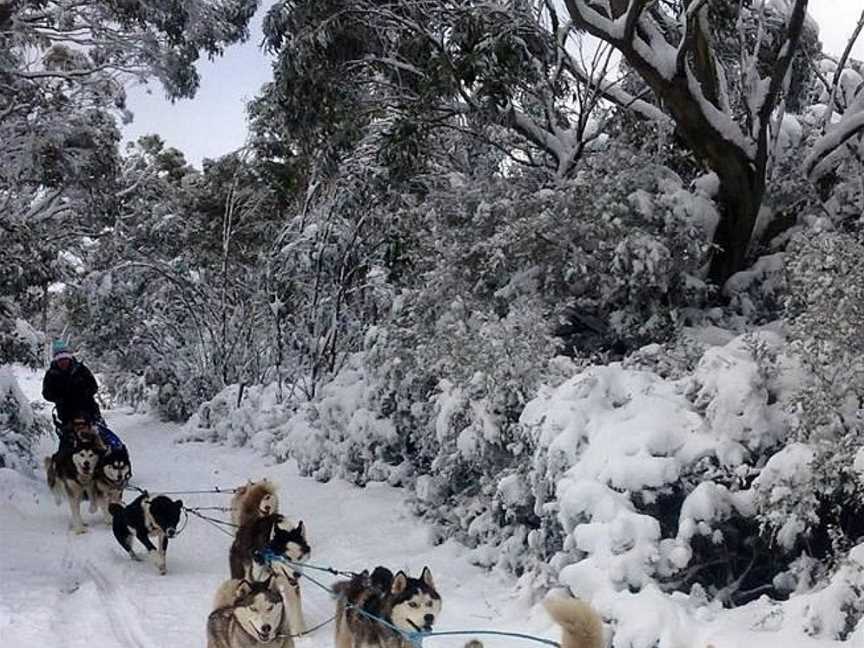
(248, 418)
(19, 342)
(616, 262)
(127, 389)
(20, 426)
(342, 433)
(833, 609)
(822, 507)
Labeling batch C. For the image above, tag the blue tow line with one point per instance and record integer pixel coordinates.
(414, 638)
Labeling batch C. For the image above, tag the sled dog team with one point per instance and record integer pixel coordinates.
(260, 605)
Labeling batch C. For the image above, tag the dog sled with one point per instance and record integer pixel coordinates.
(80, 428)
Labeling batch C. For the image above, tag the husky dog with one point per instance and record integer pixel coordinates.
(277, 535)
(273, 534)
(581, 625)
(71, 472)
(248, 615)
(410, 604)
(252, 501)
(144, 518)
(112, 475)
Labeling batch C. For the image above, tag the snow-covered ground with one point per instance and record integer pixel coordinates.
(64, 590)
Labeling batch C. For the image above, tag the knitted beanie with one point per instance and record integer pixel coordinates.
(60, 350)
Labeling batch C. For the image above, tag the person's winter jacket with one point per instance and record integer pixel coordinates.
(72, 390)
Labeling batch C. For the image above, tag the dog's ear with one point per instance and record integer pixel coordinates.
(179, 505)
(400, 583)
(302, 529)
(426, 577)
(243, 589)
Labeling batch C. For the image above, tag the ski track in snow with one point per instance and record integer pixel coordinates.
(120, 612)
(83, 591)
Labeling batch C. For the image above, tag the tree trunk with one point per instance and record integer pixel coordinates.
(46, 300)
(740, 199)
(742, 179)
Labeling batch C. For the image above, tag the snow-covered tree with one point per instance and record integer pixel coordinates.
(62, 68)
(515, 75)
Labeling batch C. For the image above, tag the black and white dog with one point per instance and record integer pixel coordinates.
(144, 518)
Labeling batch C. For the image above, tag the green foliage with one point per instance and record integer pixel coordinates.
(826, 293)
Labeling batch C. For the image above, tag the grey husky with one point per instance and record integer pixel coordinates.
(249, 615)
(410, 604)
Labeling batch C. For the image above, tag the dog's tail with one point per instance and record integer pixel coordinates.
(51, 475)
(581, 624)
(115, 509)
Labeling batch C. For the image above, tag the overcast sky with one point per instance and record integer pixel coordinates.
(214, 122)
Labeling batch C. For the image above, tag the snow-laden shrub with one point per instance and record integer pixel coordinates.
(833, 609)
(20, 426)
(631, 488)
(168, 390)
(127, 389)
(826, 330)
(342, 433)
(650, 477)
(239, 419)
(614, 253)
(19, 341)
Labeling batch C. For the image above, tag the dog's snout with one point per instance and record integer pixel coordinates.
(171, 533)
(429, 619)
(265, 628)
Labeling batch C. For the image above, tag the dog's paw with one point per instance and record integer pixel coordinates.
(162, 571)
(79, 530)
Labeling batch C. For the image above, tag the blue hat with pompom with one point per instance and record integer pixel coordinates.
(60, 350)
